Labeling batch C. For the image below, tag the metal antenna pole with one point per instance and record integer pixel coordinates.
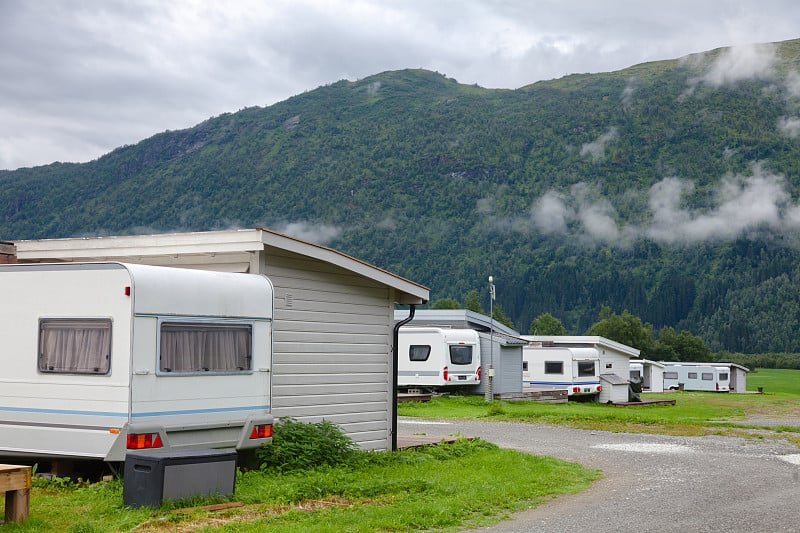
(489, 396)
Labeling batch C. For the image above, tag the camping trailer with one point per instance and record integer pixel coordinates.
(438, 357)
(696, 377)
(573, 369)
(104, 358)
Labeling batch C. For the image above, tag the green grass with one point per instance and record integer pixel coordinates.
(694, 413)
(445, 487)
(775, 381)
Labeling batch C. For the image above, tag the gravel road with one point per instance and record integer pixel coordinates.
(651, 482)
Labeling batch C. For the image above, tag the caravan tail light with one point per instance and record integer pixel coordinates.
(478, 374)
(261, 431)
(142, 441)
(576, 389)
(717, 386)
(446, 374)
(599, 388)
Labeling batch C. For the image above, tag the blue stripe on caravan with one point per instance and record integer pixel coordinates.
(134, 415)
(202, 411)
(569, 383)
(59, 411)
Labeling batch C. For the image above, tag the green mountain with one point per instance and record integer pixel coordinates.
(669, 189)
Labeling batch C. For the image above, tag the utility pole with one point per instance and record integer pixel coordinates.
(489, 395)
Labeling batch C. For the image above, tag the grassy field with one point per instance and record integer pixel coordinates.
(445, 487)
(694, 413)
(774, 381)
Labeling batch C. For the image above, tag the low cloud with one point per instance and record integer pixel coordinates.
(740, 206)
(596, 149)
(739, 63)
(789, 126)
(307, 231)
(627, 93)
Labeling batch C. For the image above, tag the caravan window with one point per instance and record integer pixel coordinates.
(670, 375)
(460, 354)
(75, 346)
(419, 352)
(692, 375)
(586, 368)
(723, 376)
(205, 347)
(553, 367)
(708, 376)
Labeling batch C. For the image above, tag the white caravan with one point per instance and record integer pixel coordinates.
(438, 357)
(575, 369)
(697, 377)
(101, 358)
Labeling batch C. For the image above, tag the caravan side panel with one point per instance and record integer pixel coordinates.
(55, 412)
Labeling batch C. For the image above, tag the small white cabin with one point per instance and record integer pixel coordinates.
(102, 358)
(559, 368)
(650, 372)
(438, 357)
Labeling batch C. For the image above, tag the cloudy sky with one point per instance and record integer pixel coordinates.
(81, 77)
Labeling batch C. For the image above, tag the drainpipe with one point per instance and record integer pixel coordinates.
(395, 342)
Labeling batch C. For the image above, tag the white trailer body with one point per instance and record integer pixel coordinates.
(100, 358)
(559, 368)
(438, 357)
(696, 377)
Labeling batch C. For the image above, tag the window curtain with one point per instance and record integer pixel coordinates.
(75, 346)
(205, 348)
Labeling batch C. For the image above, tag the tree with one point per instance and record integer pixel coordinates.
(500, 316)
(446, 303)
(547, 324)
(626, 329)
(684, 346)
(472, 301)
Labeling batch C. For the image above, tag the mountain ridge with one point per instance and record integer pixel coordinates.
(616, 189)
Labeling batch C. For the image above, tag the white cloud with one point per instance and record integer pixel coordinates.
(740, 206)
(596, 149)
(740, 63)
(789, 126)
(308, 231)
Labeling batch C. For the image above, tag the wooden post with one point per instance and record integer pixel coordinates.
(15, 482)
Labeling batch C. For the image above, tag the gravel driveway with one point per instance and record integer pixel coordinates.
(652, 482)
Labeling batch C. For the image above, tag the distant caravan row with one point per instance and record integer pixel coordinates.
(439, 359)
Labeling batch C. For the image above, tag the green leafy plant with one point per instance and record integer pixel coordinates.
(299, 446)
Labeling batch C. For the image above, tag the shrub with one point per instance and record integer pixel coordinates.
(302, 446)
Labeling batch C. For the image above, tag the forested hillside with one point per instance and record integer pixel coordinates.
(669, 189)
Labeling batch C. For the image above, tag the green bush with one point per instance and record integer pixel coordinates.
(303, 446)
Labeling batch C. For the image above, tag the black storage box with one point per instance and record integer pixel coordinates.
(152, 476)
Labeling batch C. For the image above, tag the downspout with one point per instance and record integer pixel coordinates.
(395, 342)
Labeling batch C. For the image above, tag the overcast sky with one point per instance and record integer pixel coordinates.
(81, 77)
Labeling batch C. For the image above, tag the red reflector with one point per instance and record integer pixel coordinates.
(127, 291)
(141, 441)
(261, 431)
(445, 374)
